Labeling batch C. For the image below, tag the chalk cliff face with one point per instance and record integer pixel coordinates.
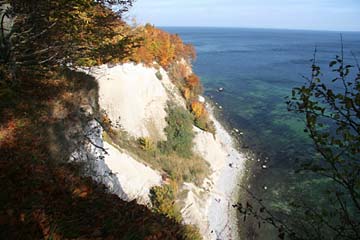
(133, 96)
(136, 97)
(135, 178)
(113, 167)
(91, 154)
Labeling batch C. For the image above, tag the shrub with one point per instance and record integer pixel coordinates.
(204, 123)
(198, 109)
(191, 232)
(179, 132)
(201, 115)
(180, 169)
(163, 201)
(192, 81)
(193, 169)
(159, 75)
(146, 144)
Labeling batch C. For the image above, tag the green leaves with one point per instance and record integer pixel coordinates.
(332, 63)
(48, 34)
(332, 110)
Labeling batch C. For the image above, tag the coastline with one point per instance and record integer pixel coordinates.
(210, 207)
(248, 165)
(226, 185)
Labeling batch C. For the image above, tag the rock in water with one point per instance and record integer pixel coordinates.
(201, 99)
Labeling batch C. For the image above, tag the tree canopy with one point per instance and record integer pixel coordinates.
(49, 33)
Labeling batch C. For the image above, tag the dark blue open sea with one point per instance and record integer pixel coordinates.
(258, 68)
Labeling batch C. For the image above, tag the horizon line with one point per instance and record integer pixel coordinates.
(262, 28)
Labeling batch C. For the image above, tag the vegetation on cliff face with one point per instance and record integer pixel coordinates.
(42, 104)
(178, 132)
(168, 50)
(173, 157)
(160, 47)
(163, 199)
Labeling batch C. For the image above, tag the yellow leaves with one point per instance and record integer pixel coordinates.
(146, 144)
(198, 109)
(202, 120)
(163, 201)
(84, 17)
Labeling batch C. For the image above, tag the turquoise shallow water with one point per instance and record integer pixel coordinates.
(258, 68)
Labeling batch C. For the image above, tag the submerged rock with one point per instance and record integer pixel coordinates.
(201, 99)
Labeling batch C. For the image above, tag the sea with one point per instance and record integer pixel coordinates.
(257, 68)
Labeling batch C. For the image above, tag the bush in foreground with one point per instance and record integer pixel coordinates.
(163, 200)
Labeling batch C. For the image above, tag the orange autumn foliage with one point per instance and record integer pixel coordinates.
(198, 109)
(192, 81)
(160, 47)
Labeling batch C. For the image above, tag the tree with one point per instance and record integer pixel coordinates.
(332, 114)
(47, 34)
(161, 47)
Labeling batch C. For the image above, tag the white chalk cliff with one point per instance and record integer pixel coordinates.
(134, 96)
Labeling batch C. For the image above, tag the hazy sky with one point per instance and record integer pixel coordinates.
(337, 15)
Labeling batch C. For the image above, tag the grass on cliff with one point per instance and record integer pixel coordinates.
(174, 157)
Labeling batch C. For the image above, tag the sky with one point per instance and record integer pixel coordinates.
(336, 15)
